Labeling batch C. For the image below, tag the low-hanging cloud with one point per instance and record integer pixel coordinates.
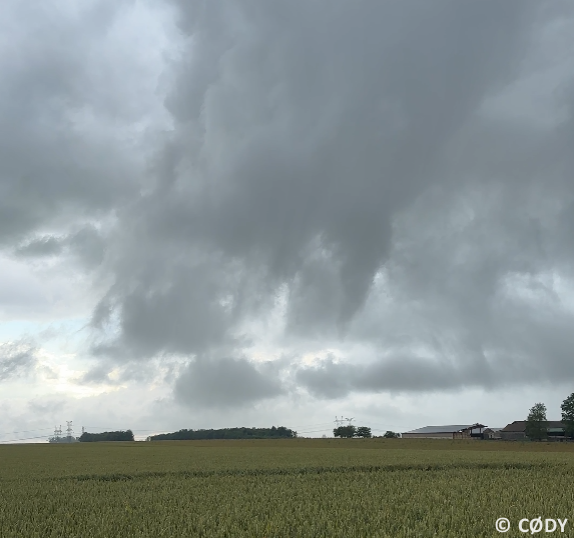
(225, 382)
(313, 155)
(389, 175)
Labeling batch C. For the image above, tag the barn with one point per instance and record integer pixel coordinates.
(457, 431)
(516, 430)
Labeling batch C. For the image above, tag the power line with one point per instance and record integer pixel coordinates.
(380, 424)
(101, 427)
(326, 424)
(24, 439)
(316, 424)
(26, 431)
(114, 428)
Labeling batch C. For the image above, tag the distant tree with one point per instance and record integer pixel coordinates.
(280, 432)
(363, 431)
(86, 437)
(536, 427)
(391, 435)
(568, 415)
(345, 431)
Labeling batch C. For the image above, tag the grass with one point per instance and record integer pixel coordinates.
(284, 488)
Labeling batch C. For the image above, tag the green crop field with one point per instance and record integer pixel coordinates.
(288, 488)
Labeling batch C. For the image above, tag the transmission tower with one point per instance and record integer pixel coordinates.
(69, 431)
(349, 420)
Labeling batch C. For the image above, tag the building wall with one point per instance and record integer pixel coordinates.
(512, 436)
(440, 435)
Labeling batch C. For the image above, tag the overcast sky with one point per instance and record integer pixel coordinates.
(272, 212)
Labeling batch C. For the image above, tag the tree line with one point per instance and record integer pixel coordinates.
(537, 423)
(227, 433)
(86, 437)
(280, 432)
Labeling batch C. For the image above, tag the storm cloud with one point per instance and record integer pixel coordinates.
(392, 180)
(86, 244)
(225, 382)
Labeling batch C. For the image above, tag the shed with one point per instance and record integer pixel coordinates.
(457, 431)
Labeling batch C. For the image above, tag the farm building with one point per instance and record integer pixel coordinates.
(517, 430)
(465, 431)
(491, 433)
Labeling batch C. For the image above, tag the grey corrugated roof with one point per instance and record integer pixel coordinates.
(520, 425)
(442, 429)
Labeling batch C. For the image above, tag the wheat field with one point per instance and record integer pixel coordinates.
(285, 488)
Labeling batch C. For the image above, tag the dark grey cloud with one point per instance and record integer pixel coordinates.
(86, 244)
(97, 375)
(394, 176)
(16, 359)
(297, 142)
(226, 382)
(57, 161)
(172, 307)
(343, 117)
(108, 372)
(542, 358)
(43, 246)
(315, 149)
